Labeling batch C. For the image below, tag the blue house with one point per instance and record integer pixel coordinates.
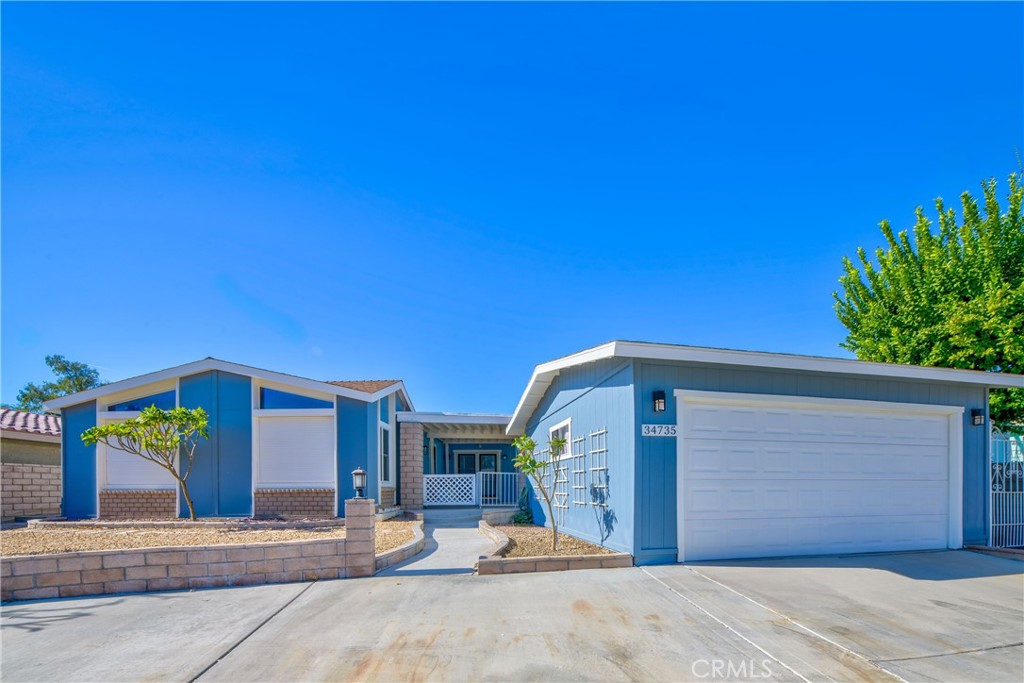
(678, 453)
(279, 444)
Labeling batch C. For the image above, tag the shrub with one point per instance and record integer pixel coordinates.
(523, 518)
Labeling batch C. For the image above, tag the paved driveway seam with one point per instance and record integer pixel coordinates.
(248, 635)
(727, 626)
(806, 629)
(956, 652)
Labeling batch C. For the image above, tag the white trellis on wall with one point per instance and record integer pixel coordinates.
(579, 471)
(599, 468)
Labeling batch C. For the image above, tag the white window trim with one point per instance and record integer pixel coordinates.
(392, 459)
(567, 450)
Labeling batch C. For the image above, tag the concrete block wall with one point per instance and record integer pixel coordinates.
(176, 568)
(411, 458)
(294, 502)
(29, 490)
(387, 498)
(138, 504)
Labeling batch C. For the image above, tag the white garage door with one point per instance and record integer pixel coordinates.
(764, 476)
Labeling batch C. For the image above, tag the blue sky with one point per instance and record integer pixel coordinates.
(453, 193)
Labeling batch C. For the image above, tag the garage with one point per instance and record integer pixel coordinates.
(769, 475)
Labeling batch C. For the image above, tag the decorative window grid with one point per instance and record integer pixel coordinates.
(599, 468)
(579, 471)
(560, 499)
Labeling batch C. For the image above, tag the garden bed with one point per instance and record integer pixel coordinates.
(531, 541)
(82, 537)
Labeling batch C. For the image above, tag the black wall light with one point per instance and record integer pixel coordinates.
(977, 417)
(659, 401)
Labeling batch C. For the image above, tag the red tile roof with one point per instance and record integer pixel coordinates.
(367, 386)
(32, 423)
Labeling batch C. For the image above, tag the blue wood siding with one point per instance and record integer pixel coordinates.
(221, 479)
(357, 447)
(78, 462)
(656, 464)
(595, 396)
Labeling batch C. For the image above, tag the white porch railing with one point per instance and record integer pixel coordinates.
(485, 489)
(1006, 506)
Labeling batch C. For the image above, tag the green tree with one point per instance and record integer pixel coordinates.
(952, 297)
(167, 438)
(526, 462)
(72, 377)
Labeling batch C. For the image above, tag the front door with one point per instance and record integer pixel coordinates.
(467, 463)
(488, 485)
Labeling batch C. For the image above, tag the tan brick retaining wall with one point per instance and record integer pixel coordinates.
(387, 498)
(29, 490)
(404, 552)
(138, 504)
(157, 569)
(294, 502)
(410, 451)
(495, 564)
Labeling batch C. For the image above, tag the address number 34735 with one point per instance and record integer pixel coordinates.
(658, 430)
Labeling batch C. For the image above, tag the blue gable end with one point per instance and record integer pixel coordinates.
(78, 462)
(357, 447)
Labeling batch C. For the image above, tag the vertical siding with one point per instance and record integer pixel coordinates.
(78, 462)
(221, 479)
(595, 396)
(357, 447)
(656, 463)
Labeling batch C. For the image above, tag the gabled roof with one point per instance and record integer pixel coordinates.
(545, 373)
(368, 386)
(29, 423)
(373, 390)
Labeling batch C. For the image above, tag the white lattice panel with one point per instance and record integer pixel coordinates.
(449, 489)
(560, 500)
(579, 471)
(599, 468)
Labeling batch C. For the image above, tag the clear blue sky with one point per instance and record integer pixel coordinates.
(450, 194)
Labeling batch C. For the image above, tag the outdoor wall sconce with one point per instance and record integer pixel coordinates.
(359, 481)
(659, 401)
(977, 417)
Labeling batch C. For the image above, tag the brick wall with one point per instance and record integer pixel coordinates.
(387, 498)
(158, 569)
(411, 458)
(29, 490)
(138, 504)
(295, 503)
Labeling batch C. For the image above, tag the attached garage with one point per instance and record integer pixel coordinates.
(769, 475)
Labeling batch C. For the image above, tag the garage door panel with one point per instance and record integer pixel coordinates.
(774, 480)
(710, 459)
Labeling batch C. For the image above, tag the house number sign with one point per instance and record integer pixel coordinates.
(657, 430)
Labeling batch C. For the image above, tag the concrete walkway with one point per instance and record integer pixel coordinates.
(453, 544)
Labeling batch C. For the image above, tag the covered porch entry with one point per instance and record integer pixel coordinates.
(462, 460)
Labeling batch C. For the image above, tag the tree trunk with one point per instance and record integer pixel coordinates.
(188, 500)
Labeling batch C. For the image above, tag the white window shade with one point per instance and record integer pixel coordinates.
(296, 451)
(127, 471)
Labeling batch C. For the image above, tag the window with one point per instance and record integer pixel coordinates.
(561, 431)
(164, 401)
(272, 399)
(385, 455)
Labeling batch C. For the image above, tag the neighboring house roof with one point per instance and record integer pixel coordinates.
(22, 423)
(369, 386)
(545, 373)
(336, 388)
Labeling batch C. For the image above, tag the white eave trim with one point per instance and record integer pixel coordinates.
(208, 364)
(545, 373)
(454, 418)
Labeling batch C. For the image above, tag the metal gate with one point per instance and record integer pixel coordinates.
(1006, 501)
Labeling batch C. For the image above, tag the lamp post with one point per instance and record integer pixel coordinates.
(359, 481)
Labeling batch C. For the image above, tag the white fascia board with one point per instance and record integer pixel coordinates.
(453, 418)
(545, 373)
(208, 364)
(398, 386)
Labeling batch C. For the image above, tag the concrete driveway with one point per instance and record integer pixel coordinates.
(919, 616)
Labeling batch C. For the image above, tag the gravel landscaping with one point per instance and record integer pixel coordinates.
(534, 541)
(390, 534)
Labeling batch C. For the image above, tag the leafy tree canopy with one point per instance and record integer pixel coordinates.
(952, 297)
(72, 377)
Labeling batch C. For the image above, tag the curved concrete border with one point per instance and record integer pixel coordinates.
(495, 564)
(403, 552)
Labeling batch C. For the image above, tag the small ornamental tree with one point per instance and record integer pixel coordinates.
(526, 462)
(167, 438)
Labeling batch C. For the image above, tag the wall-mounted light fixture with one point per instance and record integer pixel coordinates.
(977, 417)
(659, 401)
(359, 481)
